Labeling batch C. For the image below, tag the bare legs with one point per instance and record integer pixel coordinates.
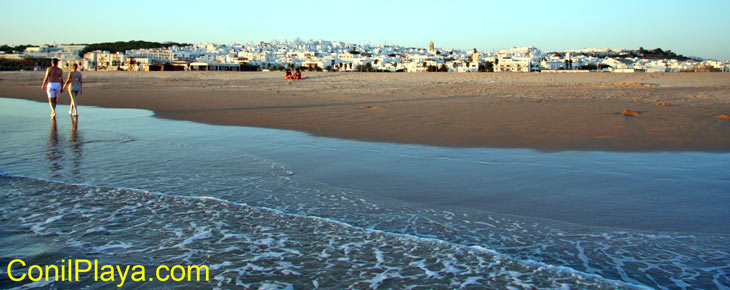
(73, 103)
(52, 103)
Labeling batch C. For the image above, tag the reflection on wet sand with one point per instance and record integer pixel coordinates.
(54, 154)
(76, 139)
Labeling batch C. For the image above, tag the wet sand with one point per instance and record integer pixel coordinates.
(544, 111)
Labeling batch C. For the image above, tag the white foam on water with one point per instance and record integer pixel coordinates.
(632, 256)
(289, 245)
(40, 227)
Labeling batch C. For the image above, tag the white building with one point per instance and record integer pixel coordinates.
(43, 51)
(104, 60)
(513, 64)
(553, 62)
(340, 56)
(155, 55)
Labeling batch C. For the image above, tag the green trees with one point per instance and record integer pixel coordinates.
(487, 67)
(365, 68)
(657, 53)
(24, 64)
(594, 67)
(121, 46)
(588, 67)
(8, 49)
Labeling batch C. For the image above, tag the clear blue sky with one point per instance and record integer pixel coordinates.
(694, 28)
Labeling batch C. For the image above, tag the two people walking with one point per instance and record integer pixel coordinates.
(54, 85)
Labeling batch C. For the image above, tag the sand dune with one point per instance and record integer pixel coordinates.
(531, 110)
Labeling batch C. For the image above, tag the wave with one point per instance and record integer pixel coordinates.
(258, 247)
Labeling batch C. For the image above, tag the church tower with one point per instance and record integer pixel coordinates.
(430, 47)
(475, 56)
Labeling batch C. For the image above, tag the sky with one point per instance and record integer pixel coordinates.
(692, 28)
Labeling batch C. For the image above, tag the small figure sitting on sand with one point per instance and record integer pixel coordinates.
(76, 88)
(298, 75)
(631, 113)
(288, 75)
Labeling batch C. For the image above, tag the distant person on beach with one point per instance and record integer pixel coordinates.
(298, 75)
(76, 89)
(288, 75)
(52, 85)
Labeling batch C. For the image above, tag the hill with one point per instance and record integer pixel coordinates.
(121, 46)
(658, 53)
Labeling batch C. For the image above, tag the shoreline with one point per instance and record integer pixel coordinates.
(546, 112)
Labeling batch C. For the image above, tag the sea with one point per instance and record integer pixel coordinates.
(277, 209)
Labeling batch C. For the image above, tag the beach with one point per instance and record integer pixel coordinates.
(543, 111)
(282, 209)
(216, 148)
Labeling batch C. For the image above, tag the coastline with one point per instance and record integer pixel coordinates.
(585, 211)
(550, 112)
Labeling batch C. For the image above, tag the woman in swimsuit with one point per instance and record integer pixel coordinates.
(76, 89)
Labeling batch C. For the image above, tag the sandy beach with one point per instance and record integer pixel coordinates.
(278, 209)
(544, 111)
